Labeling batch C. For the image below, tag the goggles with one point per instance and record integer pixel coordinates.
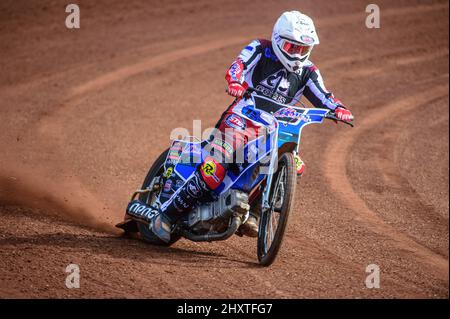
(295, 49)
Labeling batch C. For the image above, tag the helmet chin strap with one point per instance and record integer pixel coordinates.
(296, 69)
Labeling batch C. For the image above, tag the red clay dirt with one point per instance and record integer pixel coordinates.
(85, 112)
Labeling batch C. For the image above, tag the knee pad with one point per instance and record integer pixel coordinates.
(212, 172)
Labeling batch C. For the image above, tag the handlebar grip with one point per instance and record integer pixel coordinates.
(333, 117)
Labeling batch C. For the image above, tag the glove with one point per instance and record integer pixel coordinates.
(236, 89)
(343, 114)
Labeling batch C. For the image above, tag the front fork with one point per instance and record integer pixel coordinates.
(273, 166)
(300, 167)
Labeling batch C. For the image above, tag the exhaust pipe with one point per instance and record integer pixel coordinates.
(235, 223)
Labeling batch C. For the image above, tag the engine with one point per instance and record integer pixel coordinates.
(215, 216)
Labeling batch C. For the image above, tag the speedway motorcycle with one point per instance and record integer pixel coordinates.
(266, 183)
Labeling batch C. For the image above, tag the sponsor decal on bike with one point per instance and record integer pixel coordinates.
(305, 118)
(213, 173)
(168, 172)
(191, 153)
(168, 186)
(209, 168)
(236, 122)
(267, 118)
(173, 159)
(179, 183)
(139, 210)
(251, 112)
(175, 153)
(286, 114)
(193, 189)
(180, 204)
(256, 115)
(193, 149)
(176, 146)
(223, 146)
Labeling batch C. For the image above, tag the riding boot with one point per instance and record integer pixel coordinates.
(185, 198)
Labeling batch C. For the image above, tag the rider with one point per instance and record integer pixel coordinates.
(280, 70)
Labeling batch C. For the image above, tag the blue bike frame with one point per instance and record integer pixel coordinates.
(289, 124)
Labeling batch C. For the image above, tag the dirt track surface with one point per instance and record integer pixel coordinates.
(85, 112)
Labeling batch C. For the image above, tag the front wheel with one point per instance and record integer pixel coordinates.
(273, 221)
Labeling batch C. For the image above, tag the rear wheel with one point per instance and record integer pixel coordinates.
(150, 197)
(274, 220)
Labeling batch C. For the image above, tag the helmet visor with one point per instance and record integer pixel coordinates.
(293, 49)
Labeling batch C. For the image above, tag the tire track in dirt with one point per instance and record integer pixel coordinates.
(365, 71)
(153, 62)
(429, 204)
(162, 59)
(416, 216)
(391, 12)
(335, 173)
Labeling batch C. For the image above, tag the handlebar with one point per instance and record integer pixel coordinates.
(331, 115)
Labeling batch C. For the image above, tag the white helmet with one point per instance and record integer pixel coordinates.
(293, 38)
